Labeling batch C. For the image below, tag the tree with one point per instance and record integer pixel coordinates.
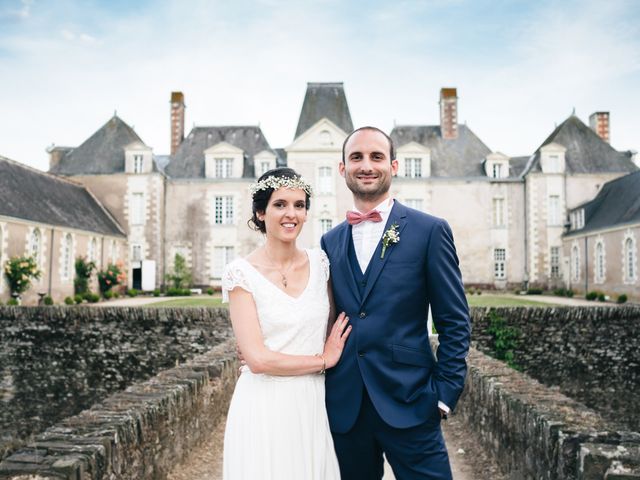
(181, 276)
(84, 269)
(19, 272)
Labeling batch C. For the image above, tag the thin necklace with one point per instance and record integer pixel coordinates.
(283, 275)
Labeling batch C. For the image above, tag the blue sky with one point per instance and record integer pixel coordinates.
(520, 67)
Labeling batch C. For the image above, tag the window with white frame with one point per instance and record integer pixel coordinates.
(93, 250)
(113, 251)
(221, 256)
(416, 203)
(575, 263)
(326, 224)
(223, 167)
(413, 167)
(555, 212)
(35, 247)
(264, 167)
(223, 210)
(496, 170)
(137, 164)
(498, 212)
(630, 260)
(499, 263)
(325, 183)
(580, 219)
(554, 262)
(554, 163)
(137, 208)
(67, 255)
(599, 270)
(136, 252)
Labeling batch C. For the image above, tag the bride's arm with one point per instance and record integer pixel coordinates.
(260, 359)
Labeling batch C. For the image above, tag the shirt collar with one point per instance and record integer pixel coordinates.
(383, 207)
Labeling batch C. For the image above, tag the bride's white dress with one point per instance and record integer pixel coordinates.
(277, 427)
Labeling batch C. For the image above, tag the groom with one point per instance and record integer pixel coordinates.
(389, 263)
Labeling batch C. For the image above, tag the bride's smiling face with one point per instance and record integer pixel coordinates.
(285, 214)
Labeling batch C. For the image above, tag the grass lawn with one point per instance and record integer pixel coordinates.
(485, 300)
(187, 302)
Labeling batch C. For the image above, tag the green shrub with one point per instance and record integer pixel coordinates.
(180, 276)
(91, 297)
(569, 293)
(178, 292)
(68, 301)
(13, 302)
(601, 297)
(534, 291)
(84, 269)
(109, 294)
(504, 338)
(19, 272)
(210, 291)
(622, 298)
(78, 299)
(47, 300)
(591, 295)
(111, 276)
(132, 292)
(156, 293)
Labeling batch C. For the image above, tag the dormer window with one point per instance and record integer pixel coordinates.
(137, 163)
(413, 167)
(223, 167)
(552, 158)
(496, 165)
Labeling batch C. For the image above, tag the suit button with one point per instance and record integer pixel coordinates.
(361, 354)
(363, 283)
(363, 314)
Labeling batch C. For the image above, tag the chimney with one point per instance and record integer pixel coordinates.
(55, 155)
(449, 113)
(177, 120)
(599, 123)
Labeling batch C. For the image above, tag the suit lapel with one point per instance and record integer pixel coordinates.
(397, 215)
(345, 264)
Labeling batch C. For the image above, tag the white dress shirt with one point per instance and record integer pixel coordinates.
(366, 236)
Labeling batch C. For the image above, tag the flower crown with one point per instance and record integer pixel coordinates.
(279, 182)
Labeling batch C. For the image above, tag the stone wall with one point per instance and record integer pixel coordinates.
(58, 361)
(537, 433)
(140, 433)
(592, 354)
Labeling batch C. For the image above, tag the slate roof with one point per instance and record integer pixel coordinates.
(29, 194)
(517, 165)
(188, 161)
(586, 151)
(460, 157)
(324, 100)
(281, 157)
(617, 203)
(101, 153)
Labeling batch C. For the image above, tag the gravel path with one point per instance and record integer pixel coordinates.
(468, 461)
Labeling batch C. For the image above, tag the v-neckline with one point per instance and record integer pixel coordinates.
(260, 274)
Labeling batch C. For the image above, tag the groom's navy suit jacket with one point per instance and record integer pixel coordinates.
(388, 350)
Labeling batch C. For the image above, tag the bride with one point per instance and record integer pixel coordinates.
(277, 425)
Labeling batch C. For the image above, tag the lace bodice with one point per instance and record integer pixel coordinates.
(290, 325)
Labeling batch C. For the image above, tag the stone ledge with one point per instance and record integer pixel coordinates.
(537, 432)
(141, 432)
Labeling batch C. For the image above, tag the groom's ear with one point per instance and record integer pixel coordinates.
(341, 168)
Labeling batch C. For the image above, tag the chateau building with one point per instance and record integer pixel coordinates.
(508, 214)
(54, 220)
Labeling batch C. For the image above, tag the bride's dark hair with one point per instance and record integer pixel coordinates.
(261, 198)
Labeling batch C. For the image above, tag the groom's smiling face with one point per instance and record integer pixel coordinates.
(367, 166)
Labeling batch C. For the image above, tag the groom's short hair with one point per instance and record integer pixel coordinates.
(392, 148)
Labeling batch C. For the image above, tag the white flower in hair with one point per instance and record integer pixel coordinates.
(274, 182)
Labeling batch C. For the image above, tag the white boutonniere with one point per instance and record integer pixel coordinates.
(390, 237)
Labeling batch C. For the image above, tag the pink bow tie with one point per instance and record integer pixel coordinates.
(354, 218)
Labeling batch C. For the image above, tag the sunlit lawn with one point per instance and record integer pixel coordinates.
(485, 300)
(187, 302)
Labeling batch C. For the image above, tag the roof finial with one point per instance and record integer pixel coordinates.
(115, 113)
(573, 112)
